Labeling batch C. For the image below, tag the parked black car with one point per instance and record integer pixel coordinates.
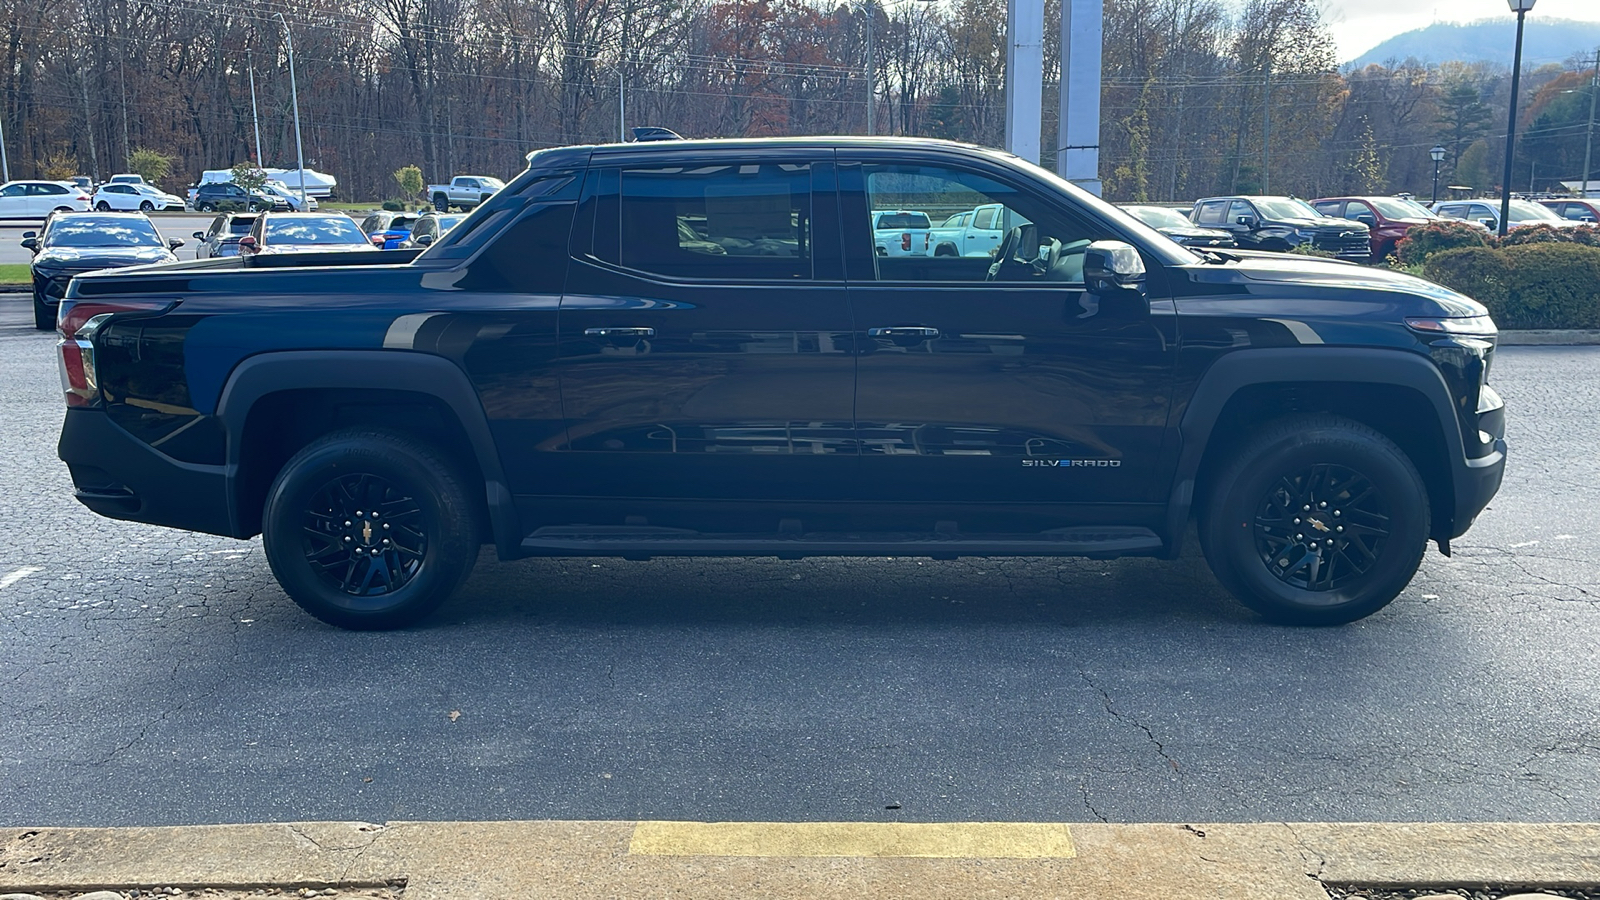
(429, 228)
(1282, 224)
(217, 195)
(569, 374)
(222, 237)
(1177, 226)
(74, 243)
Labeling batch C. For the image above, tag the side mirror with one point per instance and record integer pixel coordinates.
(30, 242)
(1111, 266)
(423, 240)
(174, 243)
(1369, 221)
(199, 236)
(247, 244)
(1250, 222)
(1487, 223)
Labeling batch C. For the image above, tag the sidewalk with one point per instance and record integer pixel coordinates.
(777, 861)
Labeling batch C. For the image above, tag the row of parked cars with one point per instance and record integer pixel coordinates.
(73, 242)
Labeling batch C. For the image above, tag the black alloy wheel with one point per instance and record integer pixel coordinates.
(1315, 520)
(147, 206)
(370, 529)
(205, 206)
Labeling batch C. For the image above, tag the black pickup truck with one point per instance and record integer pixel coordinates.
(690, 348)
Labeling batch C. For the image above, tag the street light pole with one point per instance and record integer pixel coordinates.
(1588, 141)
(1438, 157)
(255, 114)
(1521, 8)
(5, 167)
(294, 97)
(867, 7)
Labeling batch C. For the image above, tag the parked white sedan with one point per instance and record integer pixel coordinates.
(34, 200)
(129, 197)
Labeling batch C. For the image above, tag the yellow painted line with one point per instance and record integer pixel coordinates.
(938, 840)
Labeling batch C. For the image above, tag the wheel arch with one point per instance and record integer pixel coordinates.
(1397, 393)
(274, 403)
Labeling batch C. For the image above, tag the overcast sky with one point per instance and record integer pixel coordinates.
(1360, 25)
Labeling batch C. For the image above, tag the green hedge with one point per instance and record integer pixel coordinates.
(1552, 284)
(1424, 241)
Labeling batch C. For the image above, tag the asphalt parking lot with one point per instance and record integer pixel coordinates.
(150, 676)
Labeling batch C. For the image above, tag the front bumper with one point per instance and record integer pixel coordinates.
(121, 477)
(1476, 485)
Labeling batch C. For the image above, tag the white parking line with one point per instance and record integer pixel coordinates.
(16, 576)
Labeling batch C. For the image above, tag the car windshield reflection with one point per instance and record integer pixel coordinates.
(129, 232)
(314, 231)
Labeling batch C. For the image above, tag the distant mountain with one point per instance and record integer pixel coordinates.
(1492, 40)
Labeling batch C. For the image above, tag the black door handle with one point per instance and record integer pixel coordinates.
(919, 332)
(620, 332)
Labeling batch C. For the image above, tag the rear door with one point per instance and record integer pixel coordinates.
(980, 383)
(705, 335)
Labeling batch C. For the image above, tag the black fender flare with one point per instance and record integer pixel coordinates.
(394, 370)
(1325, 365)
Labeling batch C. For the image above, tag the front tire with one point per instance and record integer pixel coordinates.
(204, 207)
(147, 207)
(44, 315)
(368, 529)
(1317, 520)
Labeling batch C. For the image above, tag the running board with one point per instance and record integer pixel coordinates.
(642, 542)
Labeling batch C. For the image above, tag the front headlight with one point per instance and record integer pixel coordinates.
(1470, 326)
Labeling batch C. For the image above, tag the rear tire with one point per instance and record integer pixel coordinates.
(364, 575)
(1317, 520)
(441, 202)
(103, 206)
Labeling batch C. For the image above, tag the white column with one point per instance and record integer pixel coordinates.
(1082, 35)
(1024, 76)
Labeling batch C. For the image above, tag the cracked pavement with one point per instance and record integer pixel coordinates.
(150, 676)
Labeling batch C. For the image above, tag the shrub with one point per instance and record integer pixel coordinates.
(1553, 285)
(1588, 235)
(1482, 273)
(152, 165)
(394, 206)
(1424, 241)
(1307, 250)
(410, 180)
(1549, 284)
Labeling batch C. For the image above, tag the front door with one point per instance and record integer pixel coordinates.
(706, 346)
(1000, 381)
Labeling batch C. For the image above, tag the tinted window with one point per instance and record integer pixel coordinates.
(904, 220)
(52, 189)
(529, 257)
(985, 219)
(1333, 208)
(1213, 213)
(241, 224)
(1239, 209)
(13, 190)
(721, 221)
(1061, 238)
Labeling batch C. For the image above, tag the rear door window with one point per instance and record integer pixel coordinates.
(1213, 213)
(744, 221)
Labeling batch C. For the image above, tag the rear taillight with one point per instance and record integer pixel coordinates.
(905, 241)
(78, 322)
(377, 240)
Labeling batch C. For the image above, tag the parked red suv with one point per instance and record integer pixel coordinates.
(1388, 218)
(1576, 209)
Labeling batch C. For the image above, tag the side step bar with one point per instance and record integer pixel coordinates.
(642, 542)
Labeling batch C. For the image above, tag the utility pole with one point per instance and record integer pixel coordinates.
(255, 114)
(5, 167)
(871, 73)
(1588, 142)
(622, 79)
(1266, 130)
(294, 97)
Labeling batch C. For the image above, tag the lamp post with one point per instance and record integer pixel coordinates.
(1438, 157)
(1521, 8)
(294, 98)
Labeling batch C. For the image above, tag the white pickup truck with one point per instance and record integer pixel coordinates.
(901, 232)
(976, 232)
(463, 192)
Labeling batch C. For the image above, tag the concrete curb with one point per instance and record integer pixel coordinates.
(593, 860)
(1552, 337)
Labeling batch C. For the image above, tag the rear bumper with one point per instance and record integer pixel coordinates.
(121, 477)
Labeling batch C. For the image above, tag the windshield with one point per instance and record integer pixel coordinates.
(1396, 208)
(1525, 211)
(329, 230)
(147, 189)
(103, 231)
(1160, 217)
(1285, 208)
(448, 222)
